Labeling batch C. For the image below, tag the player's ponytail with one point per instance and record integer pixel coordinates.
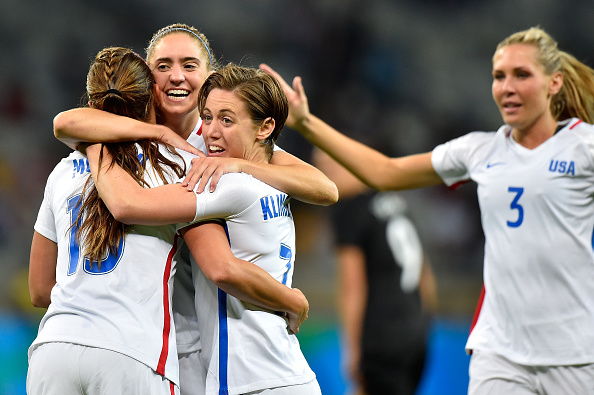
(576, 96)
(119, 81)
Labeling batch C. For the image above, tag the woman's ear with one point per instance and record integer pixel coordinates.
(266, 129)
(556, 83)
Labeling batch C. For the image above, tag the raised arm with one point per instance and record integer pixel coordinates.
(42, 269)
(130, 203)
(372, 167)
(209, 246)
(90, 125)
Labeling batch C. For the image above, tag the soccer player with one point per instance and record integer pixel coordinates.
(535, 179)
(246, 349)
(181, 58)
(109, 327)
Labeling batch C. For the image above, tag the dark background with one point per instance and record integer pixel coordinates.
(402, 76)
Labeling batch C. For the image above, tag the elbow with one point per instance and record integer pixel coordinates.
(380, 187)
(382, 184)
(123, 213)
(122, 209)
(221, 273)
(60, 125)
(326, 197)
(333, 195)
(40, 300)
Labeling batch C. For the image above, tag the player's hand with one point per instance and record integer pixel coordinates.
(205, 168)
(168, 136)
(298, 106)
(295, 320)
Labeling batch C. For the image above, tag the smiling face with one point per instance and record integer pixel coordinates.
(180, 65)
(229, 131)
(521, 89)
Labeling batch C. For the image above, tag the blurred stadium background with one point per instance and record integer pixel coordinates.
(403, 75)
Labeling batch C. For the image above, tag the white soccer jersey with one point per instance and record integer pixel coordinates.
(247, 348)
(184, 313)
(537, 213)
(124, 305)
(195, 138)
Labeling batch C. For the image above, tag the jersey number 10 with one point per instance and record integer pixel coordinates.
(106, 265)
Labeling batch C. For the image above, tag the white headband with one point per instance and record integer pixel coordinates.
(185, 30)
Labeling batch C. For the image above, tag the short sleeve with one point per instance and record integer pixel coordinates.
(45, 224)
(234, 194)
(450, 159)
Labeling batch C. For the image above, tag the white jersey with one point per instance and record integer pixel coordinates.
(184, 313)
(123, 305)
(537, 212)
(247, 348)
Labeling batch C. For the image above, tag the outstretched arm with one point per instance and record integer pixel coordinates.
(297, 178)
(90, 125)
(209, 246)
(372, 167)
(285, 172)
(42, 269)
(130, 203)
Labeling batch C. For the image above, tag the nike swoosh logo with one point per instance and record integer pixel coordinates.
(489, 165)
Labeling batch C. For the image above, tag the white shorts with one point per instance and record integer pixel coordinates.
(192, 374)
(494, 374)
(311, 388)
(66, 368)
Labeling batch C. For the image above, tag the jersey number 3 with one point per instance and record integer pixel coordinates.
(107, 264)
(515, 206)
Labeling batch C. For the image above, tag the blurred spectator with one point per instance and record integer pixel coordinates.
(386, 286)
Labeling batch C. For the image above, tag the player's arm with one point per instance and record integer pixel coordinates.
(352, 286)
(209, 246)
(42, 269)
(285, 172)
(130, 203)
(428, 287)
(372, 167)
(297, 178)
(90, 125)
(375, 169)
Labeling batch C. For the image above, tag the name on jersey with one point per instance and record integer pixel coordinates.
(562, 166)
(81, 166)
(274, 206)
